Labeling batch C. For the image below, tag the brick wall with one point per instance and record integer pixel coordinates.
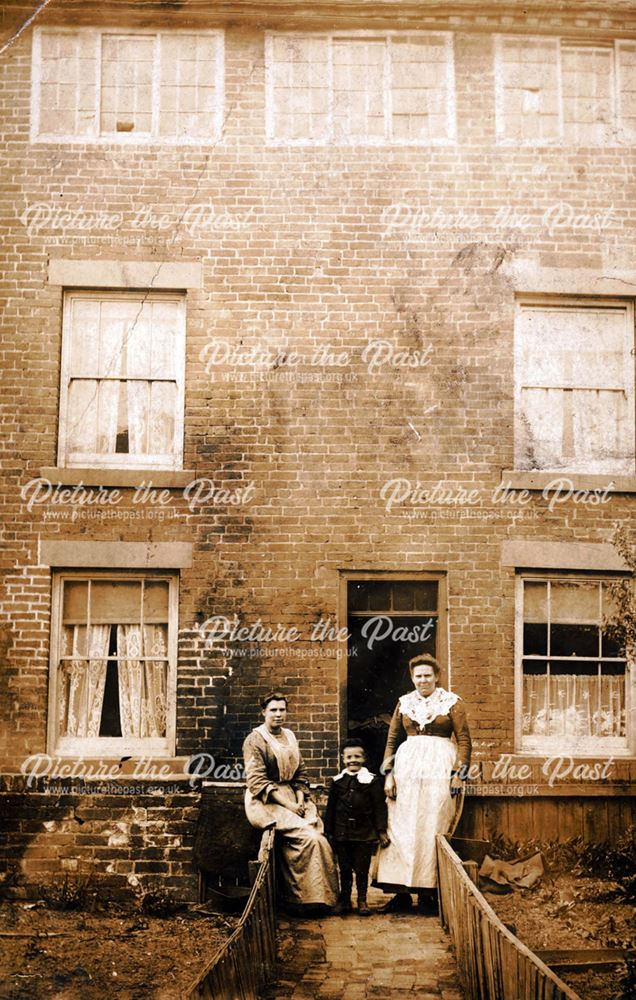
(127, 844)
(298, 255)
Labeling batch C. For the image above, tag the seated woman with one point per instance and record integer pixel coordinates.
(277, 795)
(421, 769)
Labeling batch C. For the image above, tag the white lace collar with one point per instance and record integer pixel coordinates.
(364, 776)
(423, 710)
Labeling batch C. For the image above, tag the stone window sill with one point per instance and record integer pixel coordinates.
(153, 478)
(537, 481)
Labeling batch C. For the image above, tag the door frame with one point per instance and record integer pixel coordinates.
(442, 640)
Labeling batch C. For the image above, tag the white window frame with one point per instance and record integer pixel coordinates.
(92, 37)
(386, 140)
(594, 746)
(120, 460)
(615, 126)
(551, 301)
(113, 746)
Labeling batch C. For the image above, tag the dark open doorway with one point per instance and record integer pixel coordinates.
(389, 621)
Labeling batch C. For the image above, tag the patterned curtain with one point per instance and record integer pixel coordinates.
(573, 705)
(83, 679)
(142, 683)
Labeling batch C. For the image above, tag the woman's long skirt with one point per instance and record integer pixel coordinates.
(423, 808)
(306, 862)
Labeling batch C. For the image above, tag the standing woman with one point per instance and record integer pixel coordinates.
(420, 767)
(277, 795)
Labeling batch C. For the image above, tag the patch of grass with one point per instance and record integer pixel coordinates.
(159, 903)
(612, 861)
(74, 893)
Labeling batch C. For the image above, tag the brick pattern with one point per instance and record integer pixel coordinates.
(303, 250)
(128, 844)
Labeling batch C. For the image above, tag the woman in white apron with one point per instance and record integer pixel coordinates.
(420, 766)
(277, 795)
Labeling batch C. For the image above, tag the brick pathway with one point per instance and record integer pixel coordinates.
(381, 957)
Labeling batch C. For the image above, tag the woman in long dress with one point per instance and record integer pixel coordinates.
(278, 795)
(420, 767)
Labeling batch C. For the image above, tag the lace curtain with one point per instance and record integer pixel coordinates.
(142, 684)
(573, 705)
(83, 679)
(135, 347)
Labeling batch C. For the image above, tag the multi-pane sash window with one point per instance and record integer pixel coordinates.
(574, 691)
(555, 90)
(113, 656)
(574, 387)
(360, 88)
(121, 399)
(127, 86)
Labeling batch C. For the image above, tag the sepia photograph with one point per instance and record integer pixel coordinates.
(318, 500)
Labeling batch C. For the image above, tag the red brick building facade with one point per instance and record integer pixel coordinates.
(318, 320)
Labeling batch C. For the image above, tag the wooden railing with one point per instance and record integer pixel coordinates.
(493, 964)
(246, 961)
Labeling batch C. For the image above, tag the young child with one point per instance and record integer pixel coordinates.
(355, 822)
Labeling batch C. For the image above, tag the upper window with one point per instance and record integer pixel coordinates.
(127, 86)
(574, 387)
(553, 90)
(573, 682)
(360, 88)
(113, 661)
(122, 380)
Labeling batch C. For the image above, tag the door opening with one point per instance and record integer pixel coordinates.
(389, 622)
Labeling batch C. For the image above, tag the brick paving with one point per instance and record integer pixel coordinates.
(381, 957)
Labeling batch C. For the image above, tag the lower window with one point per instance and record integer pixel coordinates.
(573, 683)
(113, 664)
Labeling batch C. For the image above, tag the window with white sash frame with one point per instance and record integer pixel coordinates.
(122, 380)
(574, 386)
(559, 90)
(574, 688)
(130, 86)
(360, 88)
(113, 663)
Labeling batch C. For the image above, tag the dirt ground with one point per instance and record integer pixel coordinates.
(572, 911)
(74, 955)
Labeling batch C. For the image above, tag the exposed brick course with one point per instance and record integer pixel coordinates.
(298, 255)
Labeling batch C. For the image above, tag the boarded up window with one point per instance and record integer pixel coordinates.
(127, 86)
(373, 89)
(574, 376)
(573, 675)
(122, 381)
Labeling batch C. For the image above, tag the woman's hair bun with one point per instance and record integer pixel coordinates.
(273, 696)
(424, 660)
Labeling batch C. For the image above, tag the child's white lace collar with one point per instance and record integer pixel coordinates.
(364, 776)
(424, 710)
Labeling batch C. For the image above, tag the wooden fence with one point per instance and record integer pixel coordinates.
(246, 961)
(493, 963)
